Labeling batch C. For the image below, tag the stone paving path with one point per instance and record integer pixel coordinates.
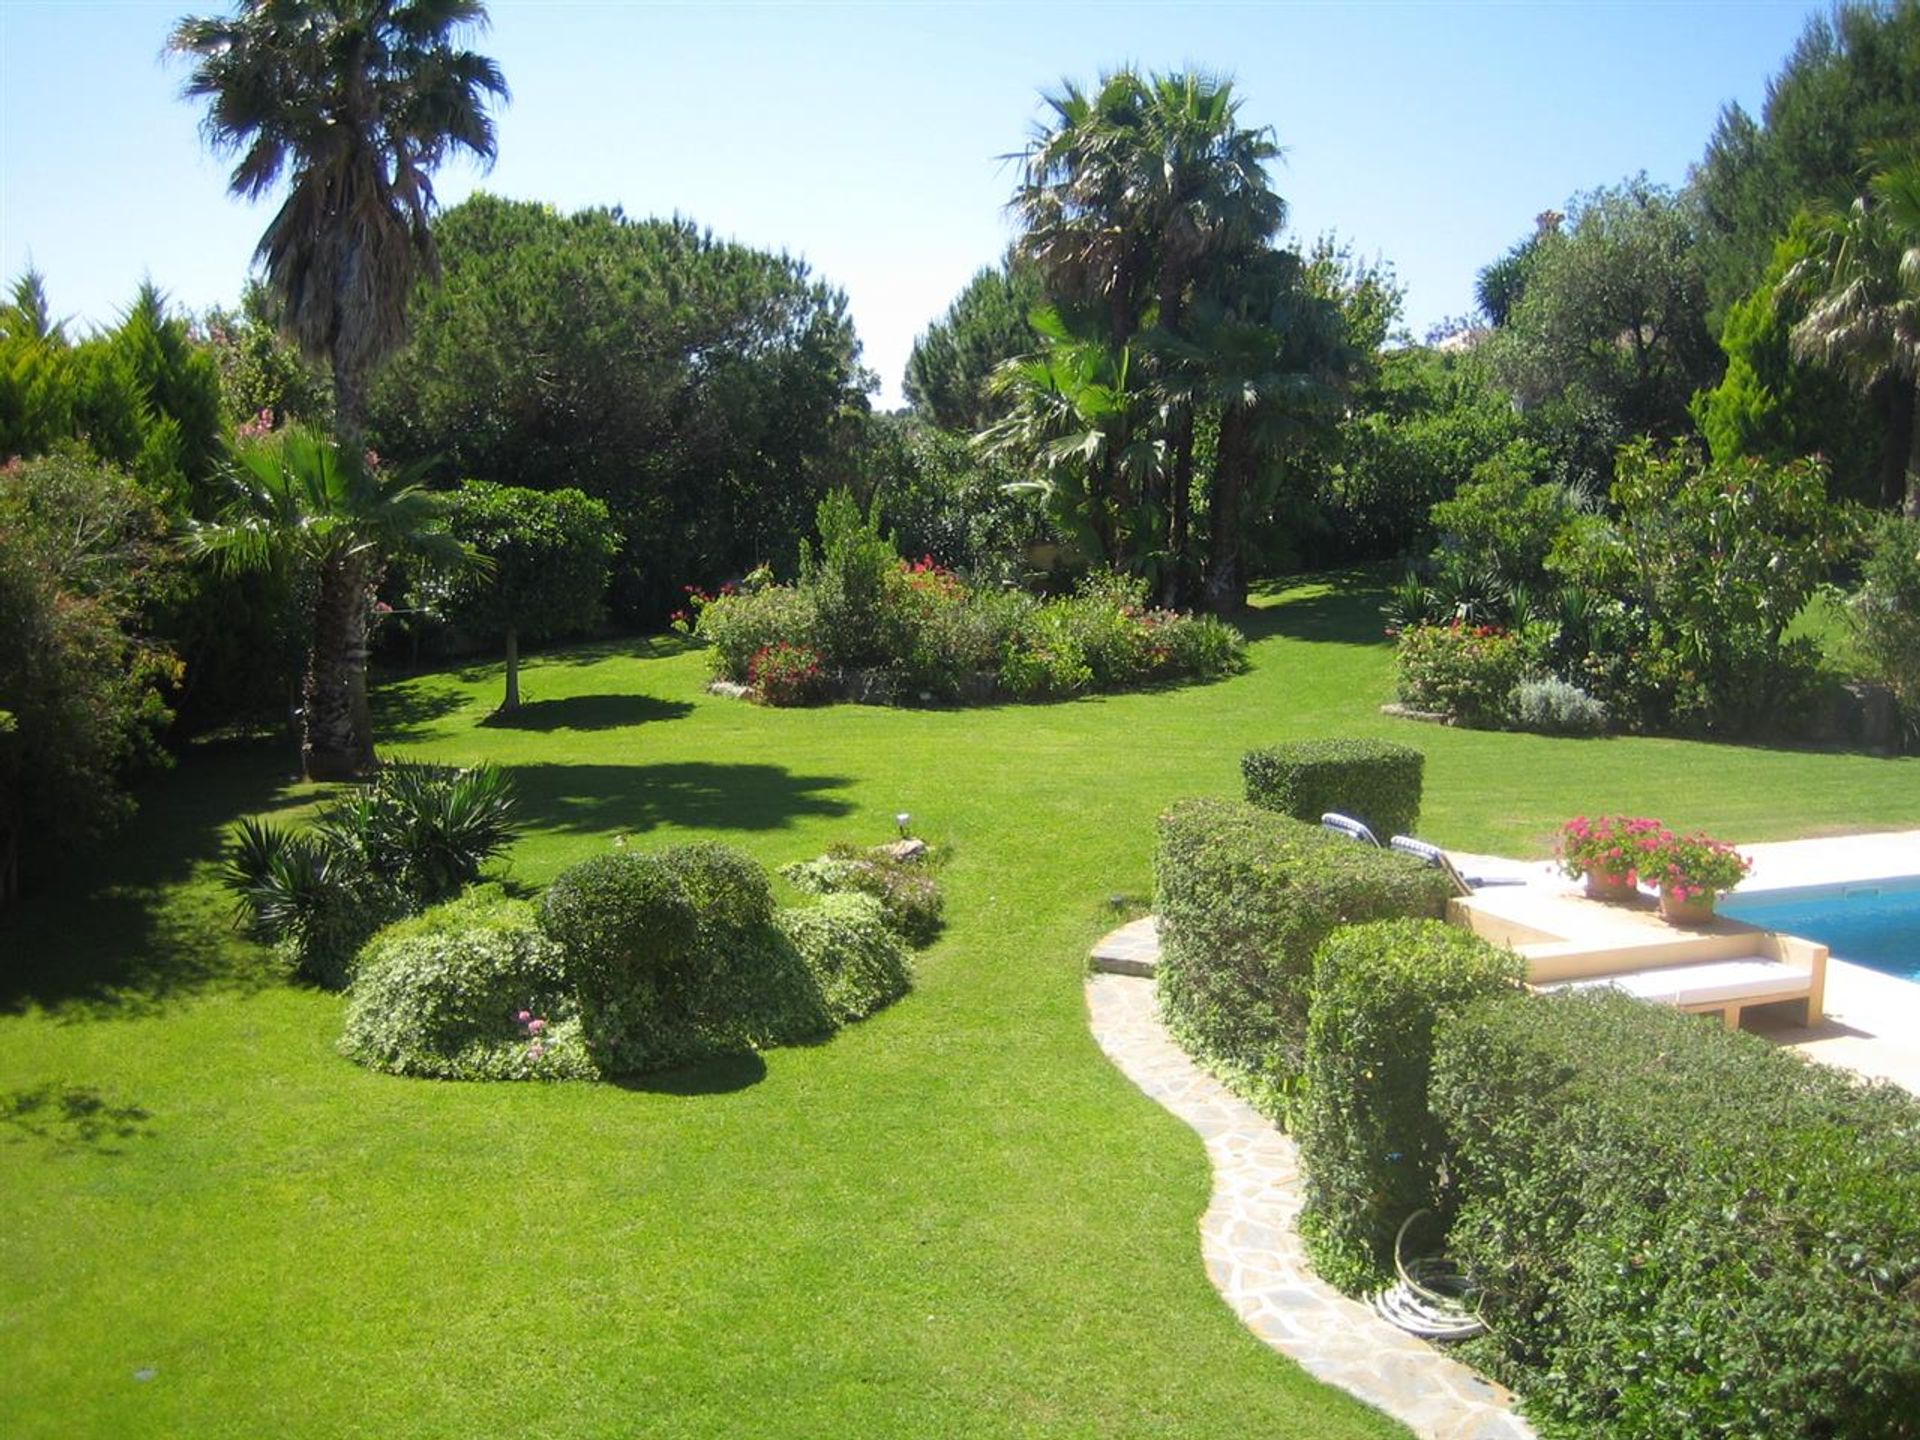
(1253, 1252)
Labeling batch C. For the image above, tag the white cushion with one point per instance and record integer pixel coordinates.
(1716, 982)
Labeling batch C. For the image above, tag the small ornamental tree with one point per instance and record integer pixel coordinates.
(550, 552)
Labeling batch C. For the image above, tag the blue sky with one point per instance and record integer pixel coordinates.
(866, 137)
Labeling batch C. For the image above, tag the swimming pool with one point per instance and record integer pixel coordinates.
(1872, 922)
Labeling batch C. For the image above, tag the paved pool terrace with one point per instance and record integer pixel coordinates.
(1872, 1020)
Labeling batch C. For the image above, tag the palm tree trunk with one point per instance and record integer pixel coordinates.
(1175, 587)
(512, 702)
(336, 673)
(1226, 561)
(1911, 501)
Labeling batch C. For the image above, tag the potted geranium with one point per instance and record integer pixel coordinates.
(1691, 871)
(1610, 853)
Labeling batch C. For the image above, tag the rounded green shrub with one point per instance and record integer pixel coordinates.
(852, 953)
(908, 892)
(469, 990)
(676, 958)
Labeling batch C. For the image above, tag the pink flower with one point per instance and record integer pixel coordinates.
(536, 1025)
(536, 1050)
(524, 1016)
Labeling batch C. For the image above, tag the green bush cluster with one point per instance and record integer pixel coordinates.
(930, 636)
(1371, 1148)
(414, 837)
(676, 958)
(1680, 1231)
(1244, 897)
(907, 891)
(1377, 781)
(853, 954)
(1668, 611)
(442, 995)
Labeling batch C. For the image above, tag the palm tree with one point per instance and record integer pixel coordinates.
(356, 102)
(1134, 199)
(325, 517)
(1863, 319)
(1080, 412)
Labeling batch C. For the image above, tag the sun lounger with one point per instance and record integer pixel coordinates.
(1443, 862)
(1348, 826)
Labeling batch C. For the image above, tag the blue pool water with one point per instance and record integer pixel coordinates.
(1874, 923)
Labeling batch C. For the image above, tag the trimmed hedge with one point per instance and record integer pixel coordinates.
(852, 953)
(440, 995)
(1244, 897)
(1371, 1148)
(1680, 1231)
(677, 959)
(1377, 781)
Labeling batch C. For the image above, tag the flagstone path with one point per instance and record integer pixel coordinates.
(1249, 1242)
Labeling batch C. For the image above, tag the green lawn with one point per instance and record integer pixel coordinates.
(954, 1219)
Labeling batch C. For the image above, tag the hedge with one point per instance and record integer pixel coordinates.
(1371, 1148)
(908, 892)
(1372, 780)
(1681, 1231)
(1244, 896)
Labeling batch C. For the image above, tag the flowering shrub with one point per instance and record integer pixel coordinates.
(470, 990)
(784, 674)
(1689, 866)
(1613, 845)
(1466, 672)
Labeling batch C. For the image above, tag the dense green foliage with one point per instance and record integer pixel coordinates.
(1376, 781)
(1464, 672)
(703, 390)
(415, 837)
(1679, 1231)
(1244, 897)
(470, 990)
(1851, 83)
(545, 557)
(677, 959)
(854, 954)
(83, 688)
(1371, 1148)
(1614, 312)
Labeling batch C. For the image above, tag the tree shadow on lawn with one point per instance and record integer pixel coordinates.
(121, 931)
(588, 712)
(406, 710)
(70, 1117)
(1346, 614)
(723, 1076)
(692, 795)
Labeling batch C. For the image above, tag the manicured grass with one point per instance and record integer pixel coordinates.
(954, 1219)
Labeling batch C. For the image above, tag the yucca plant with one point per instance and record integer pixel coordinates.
(415, 837)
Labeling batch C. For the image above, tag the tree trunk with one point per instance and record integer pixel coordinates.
(349, 407)
(1175, 586)
(512, 702)
(1896, 459)
(335, 696)
(1226, 561)
(1911, 501)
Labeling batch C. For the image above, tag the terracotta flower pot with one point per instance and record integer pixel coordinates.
(1610, 887)
(1694, 910)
